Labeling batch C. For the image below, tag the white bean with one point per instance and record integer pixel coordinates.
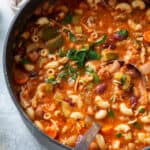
(145, 119)
(101, 114)
(101, 142)
(122, 127)
(138, 4)
(125, 7)
(76, 115)
(101, 103)
(42, 21)
(29, 67)
(125, 110)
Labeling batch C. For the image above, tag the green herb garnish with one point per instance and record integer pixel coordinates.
(138, 125)
(101, 40)
(71, 35)
(123, 79)
(82, 56)
(123, 33)
(111, 114)
(95, 76)
(68, 18)
(142, 110)
(51, 80)
(119, 135)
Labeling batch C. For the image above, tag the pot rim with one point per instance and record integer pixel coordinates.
(7, 81)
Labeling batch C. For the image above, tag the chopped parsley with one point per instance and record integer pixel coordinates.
(111, 114)
(69, 71)
(123, 33)
(51, 80)
(68, 18)
(81, 56)
(137, 125)
(71, 35)
(119, 135)
(141, 110)
(123, 79)
(101, 40)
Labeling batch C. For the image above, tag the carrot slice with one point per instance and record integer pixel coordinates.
(51, 131)
(147, 36)
(107, 129)
(20, 77)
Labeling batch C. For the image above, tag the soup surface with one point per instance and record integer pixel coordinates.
(67, 72)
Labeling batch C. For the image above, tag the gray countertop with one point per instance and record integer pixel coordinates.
(13, 133)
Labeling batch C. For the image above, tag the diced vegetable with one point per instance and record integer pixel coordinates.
(66, 109)
(107, 129)
(62, 52)
(51, 131)
(49, 33)
(78, 29)
(76, 19)
(20, 77)
(124, 79)
(146, 36)
(109, 55)
(68, 18)
(55, 43)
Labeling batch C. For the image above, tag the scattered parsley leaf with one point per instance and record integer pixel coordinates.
(68, 18)
(119, 135)
(142, 110)
(138, 125)
(123, 79)
(111, 114)
(101, 40)
(51, 80)
(123, 33)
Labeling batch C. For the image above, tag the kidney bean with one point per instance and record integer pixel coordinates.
(133, 101)
(33, 74)
(69, 101)
(100, 89)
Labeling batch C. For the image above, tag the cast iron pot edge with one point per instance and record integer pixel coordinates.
(7, 77)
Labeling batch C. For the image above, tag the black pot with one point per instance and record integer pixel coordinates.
(18, 23)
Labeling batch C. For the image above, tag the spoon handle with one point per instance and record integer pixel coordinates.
(88, 137)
